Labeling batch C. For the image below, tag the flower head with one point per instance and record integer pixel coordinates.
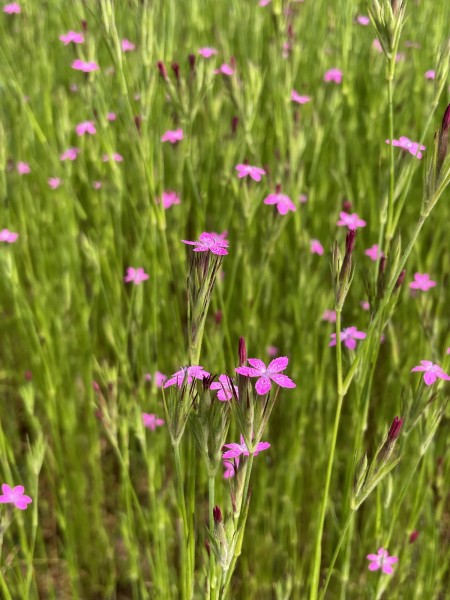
(316, 247)
(431, 372)
(422, 282)
(296, 97)
(115, 156)
(247, 170)
(111, 116)
(329, 315)
(70, 154)
(405, 143)
(207, 242)
(225, 387)
(430, 74)
(349, 336)
(224, 69)
(86, 127)
(333, 75)
(207, 52)
(135, 276)
(283, 203)
(8, 236)
(373, 252)
(169, 198)
(352, 221)
(362, 20)
(13, 8)
(187, 374)
(236, 450)
(151, 421)
(172, 135)
(267, 374)
(23, 168)
(72, 37)
(127, 46)
(54, 182)
(86, 67)
(382, 561)
(15, 496)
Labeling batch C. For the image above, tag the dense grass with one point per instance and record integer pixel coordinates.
(109, 517)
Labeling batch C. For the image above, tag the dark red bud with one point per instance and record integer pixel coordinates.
(96, 387)
(162, 69)
(443, 137)
(346, 205)
(176, 70)
(234, 124)
(395, 429)
(350, 241)
(413, 536)
(191, 60)
(401, 279)
(382, 267)
(242, 352)
(28, 375)
(84, 25)
(278, 188)
(208, 549)
(217, 515)
(218, 317)
(138, 122)
(233, 62)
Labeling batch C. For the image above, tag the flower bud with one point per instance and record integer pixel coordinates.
(413, 536)
(395, 429)
(234, 124)
(191, 61)
(242, 352)
(162, 69)
(176, 70)
(217, 515)
(400, 280)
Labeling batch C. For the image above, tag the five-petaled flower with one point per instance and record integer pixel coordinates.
(267, 374)
(316, 247)
(382, 561)
(283, 203)
(15, 496)
(70, 154)
(236, 450)
(296, 97)
(405, 143)
(373, 252)
(329, 315)
(207, 52)
(72, 37)
(54, 182)
(151, 421)
(172, 135)
(86, 127)
(334, 75)
(225, 386)
(85, 66)
(363, 20)
(224, 69)
(8, 236)
(187, 374)
(169, 198)
(352, 221)
(13, 8)
(23, 168)
(349, 337)
(431, 372)
(127, 46)
(135, 276)
(422, 282)
(209, 242)
(430, 74)
(247, 170)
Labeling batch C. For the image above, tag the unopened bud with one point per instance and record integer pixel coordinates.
(138, 122)
(395, 429)
(401, 279)
(278, 188)
(176, 70)
(350, 241)
(242, 352)
(95, 387)
(382, 267)
(346, 205)
(162, 69)
(217, 515)
(234, 124)
(84, 25)
(191, 61)
(413, 536)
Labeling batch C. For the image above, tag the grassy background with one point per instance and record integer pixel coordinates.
(68, 317)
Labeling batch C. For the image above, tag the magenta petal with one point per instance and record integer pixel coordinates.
(372, 557)
(387, 569)
(278, 364)
(374, 566)
(257, 364)
(282, 380)
(263, 386)
(350, 343)
(430, 378)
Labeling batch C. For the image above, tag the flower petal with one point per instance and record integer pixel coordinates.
(278, 364)
(282, 380)
(263, 386)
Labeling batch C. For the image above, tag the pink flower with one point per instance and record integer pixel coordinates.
(151, 421)
(373, 252)
(303, 198)
(208, 242)
(224, 69)
(15, 496)
(172, 136)
(54, 182)
(12, 9)
(127, 46)
(264, 2)
(225, 387)
(329, 315)
(254, 172)
(8, 236)
(97, 185)
(159, 378)
(272, 350)
(220, 237)
(187, 374)
(422, 282)
(334, 75)
(86, 67)
(169, 198)
(70, 154)
(349, 337)
(236, 450)
(316, 247)
(111, 116)
(72, 37)
(115, 156)
(284, 203)
(23, 168)
(364, 305)
(377, 46)
(135, 276)
(362, 20)
(406, 144)
(352, 221)
(86, 127)
(207, 52)
(231, 467)
(448, 350)
(295, 97)
(382, 561)
(430, 74)
(267, 374)
(431, 372)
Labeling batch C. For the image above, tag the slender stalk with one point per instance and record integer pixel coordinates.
(348, 521)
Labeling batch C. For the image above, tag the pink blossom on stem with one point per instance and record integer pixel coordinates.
(169, 198)
(111, 116)
(329, 315)
(333, 75)
(236, 450)
(8, 236)
(283, 203)
(54, 182)
(352, 221)
(264, 2)
(272, 351)
(316, 247)
(207, 52)
(296, 97)
(405, 143)
(373, 252)
(97, 185)
(172, 136)
(382, 561)
(187, 374)
(70, 154)
(207, 242)
(422, 282)
(127, 46)
(15, 496)
(362, 20)
(86, 67)
(349, 336)
(247, 170)
(135, 276)
(72, 37)
(267, 374)
(430, 74)
(431, 372)
(151, 421)
(376, 45)
(13, 8)
(225, 387)
(86, 127)
(115, 156)
(224, 69)
(23, 168)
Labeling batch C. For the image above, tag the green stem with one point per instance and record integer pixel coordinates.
(336, 552)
